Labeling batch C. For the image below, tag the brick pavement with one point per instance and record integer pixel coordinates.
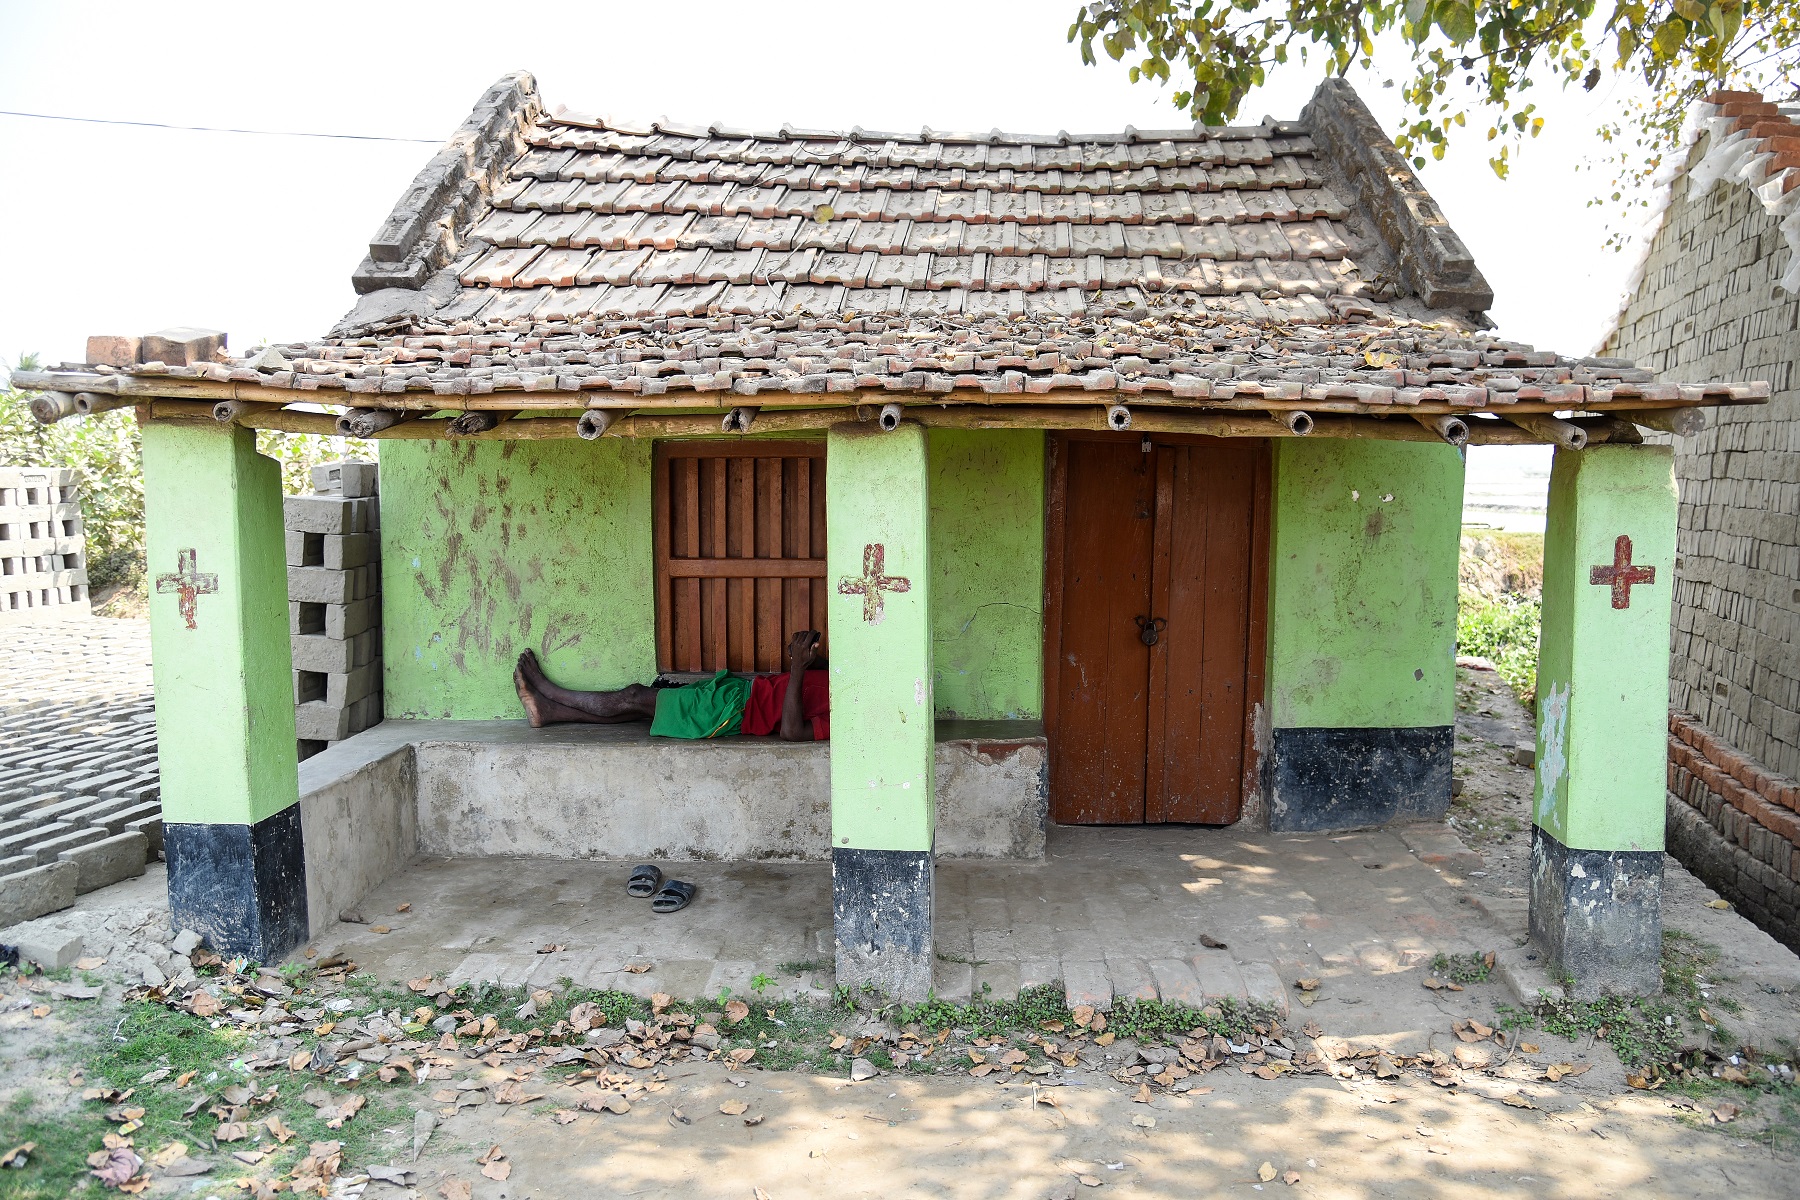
(1112, 912)
(80, 802)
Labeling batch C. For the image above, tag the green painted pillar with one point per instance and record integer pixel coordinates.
(883, 815)
(224, 689)
(1603, 715)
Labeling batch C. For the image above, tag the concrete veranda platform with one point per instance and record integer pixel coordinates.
(1109, 912)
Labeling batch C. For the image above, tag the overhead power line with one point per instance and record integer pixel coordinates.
(352, 137)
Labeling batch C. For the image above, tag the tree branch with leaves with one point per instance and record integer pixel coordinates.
(1467, 57)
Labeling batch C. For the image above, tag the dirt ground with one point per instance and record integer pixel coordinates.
(1050, 1129)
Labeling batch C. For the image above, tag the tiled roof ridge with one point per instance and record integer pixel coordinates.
(1130, 135)
(1748, 140)
(1433, 261)
(421, 234)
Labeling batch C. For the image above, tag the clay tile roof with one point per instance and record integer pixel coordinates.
(650, 220)
(1284, 262)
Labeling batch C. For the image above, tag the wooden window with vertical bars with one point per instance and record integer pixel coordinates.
(740, 552)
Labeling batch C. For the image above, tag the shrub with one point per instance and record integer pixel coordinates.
(1505, 630)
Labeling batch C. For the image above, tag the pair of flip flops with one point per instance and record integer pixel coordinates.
(665, 895)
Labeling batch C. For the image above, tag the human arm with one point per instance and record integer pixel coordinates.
(802, 654)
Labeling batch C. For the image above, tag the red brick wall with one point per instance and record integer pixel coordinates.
(1736, 826)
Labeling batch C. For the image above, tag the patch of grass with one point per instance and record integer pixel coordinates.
(1505, 630)
(1649, 1033)
(803, 966)
(63, 1139)
(1461, 968)
(1148, 1020)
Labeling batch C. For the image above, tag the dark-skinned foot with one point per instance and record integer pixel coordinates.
(533, 709)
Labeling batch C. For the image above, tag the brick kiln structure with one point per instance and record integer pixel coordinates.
(1717, 296)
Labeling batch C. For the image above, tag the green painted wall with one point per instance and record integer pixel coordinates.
(1363, 577)
(488, 548)
(877, 494)
(224, 689)
(1603, 672)
(987, 572)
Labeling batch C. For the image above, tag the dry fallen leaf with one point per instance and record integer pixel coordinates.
(736, 1011)
(17, 1155)
(1144, 1122)
(552, 948)
(734, 1108)
(660, 1001)
(1307, 985)
(1528, 1048)
(1105, 1039)
(456, 1189)
(89, 963)
(1212, 943)
(1266, 1172)
(1143, 1094)
(1089, 1180)
(1290, 1177)
(1517, 1100)
(404, 906)
(1718, 904)
(1725, 1110)
(756, 1120)
(380, 929)
(637, 968)
(497, 1170)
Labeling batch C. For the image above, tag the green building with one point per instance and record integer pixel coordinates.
(1122, 474)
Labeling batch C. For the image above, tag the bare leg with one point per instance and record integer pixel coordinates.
(634, 702)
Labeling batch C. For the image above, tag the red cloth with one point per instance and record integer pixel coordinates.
(762, 713)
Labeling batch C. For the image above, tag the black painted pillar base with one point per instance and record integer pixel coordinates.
(881, 913)
(241, 887)
(1597, 916)
(1327, 780)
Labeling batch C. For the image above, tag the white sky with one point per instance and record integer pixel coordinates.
(123, 230)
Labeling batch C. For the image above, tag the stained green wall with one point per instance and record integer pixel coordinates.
(492, 547)
(987, 570)
(1362, 596)
(488, 548)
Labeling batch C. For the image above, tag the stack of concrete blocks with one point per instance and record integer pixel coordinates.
(334, 604)
(43, 555)
(73, 816)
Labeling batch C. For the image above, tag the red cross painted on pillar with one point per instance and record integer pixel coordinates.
(1621, 575)
(187, 583)
(873, 582)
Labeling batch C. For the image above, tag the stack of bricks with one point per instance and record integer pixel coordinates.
(334, 604)
(1737, 826)
(80, 801)
(1712, 304)
(43, 558)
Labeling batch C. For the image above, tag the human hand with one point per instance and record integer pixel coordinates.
(803, 649)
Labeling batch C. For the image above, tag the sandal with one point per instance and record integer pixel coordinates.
(673, 897)
(645, 880)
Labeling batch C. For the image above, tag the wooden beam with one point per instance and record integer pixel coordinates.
(168, 387)
(1566, 434)
(1682, 422)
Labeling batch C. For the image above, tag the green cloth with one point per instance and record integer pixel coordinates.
(708, 709)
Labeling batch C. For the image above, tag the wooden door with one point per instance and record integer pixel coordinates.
(1102, 676)
(1159, 733)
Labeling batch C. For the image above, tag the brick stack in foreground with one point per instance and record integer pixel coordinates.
(43, 555)
(80, 802)
(1736, 826)
(334, 604)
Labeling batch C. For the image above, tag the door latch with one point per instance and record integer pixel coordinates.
(1150, 629)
